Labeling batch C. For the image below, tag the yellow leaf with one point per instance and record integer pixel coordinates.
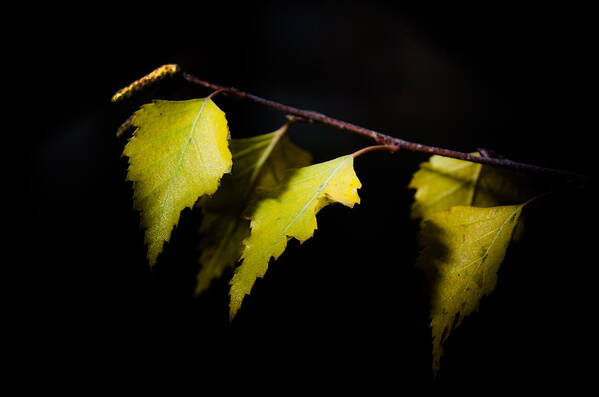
(444, 182)
(441, 183)
(178, 153)
(222, 237)
(290, 212)
(463, 248)
(259, 163)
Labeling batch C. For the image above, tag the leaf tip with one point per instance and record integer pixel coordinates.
(234, 306)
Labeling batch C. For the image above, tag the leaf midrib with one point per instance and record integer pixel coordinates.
(499, 230)
(177, 168)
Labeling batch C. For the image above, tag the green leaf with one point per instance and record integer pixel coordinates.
(448, 191)
(259, 163)
(441, 183)
(463, 248)
(290, 211)
(178, 153)
(444, 182)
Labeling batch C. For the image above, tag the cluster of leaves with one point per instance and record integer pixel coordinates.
(178, 154)
(257, 193)
(469, 215)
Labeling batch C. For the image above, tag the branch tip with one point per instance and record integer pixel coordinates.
(139, 84)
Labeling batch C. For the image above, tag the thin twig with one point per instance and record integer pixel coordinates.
(380, 138)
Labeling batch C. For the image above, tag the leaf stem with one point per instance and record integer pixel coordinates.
(367, 149)
(218, 91)
(128, 124)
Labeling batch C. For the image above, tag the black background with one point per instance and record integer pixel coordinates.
(347, 309)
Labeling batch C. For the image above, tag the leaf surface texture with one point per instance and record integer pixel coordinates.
(289, 211)
(463, 249)
(178, 153)
(464, 234)
(444, 182)
(259, 164)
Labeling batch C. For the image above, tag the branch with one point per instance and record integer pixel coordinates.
(380, 138)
